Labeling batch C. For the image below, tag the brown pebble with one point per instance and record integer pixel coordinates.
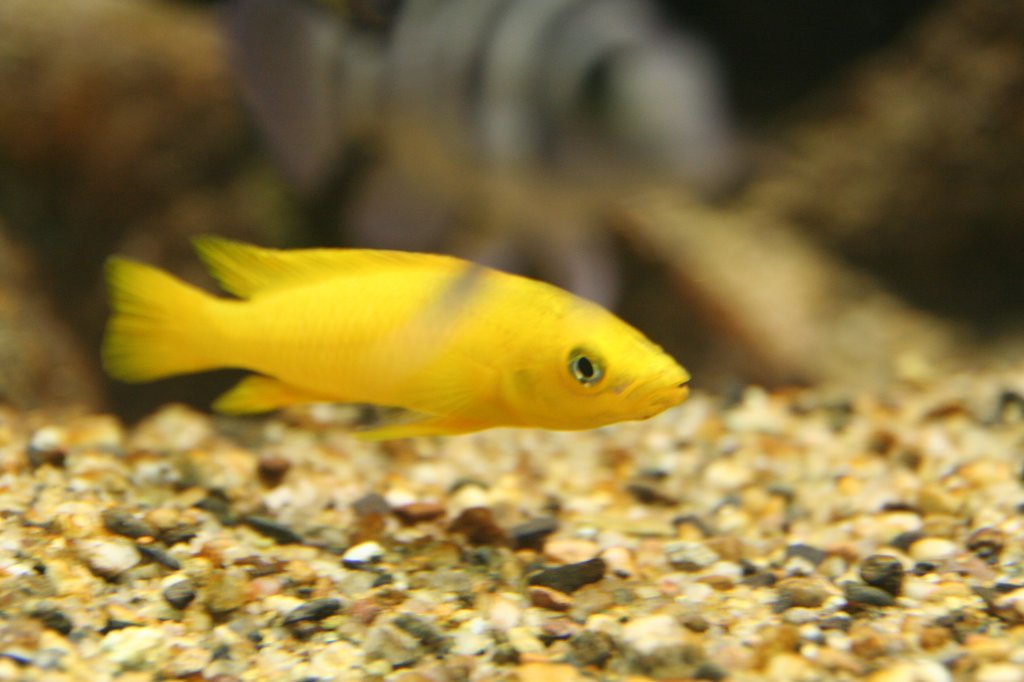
(224, 592)
(547, 598)
(867, 642)
(934, 637)
(882, 571)
(479, 527)
(272, 469)
(416, 512)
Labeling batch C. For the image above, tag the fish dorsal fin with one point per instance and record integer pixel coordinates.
(245, 270)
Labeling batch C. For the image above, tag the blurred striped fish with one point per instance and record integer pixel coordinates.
(527, 117)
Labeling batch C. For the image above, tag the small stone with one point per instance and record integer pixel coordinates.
(417, 512)
(123, 522)
(987, 543)
(812, 555)
(619, 561)
(571, 577)
(133, 648)
(801, 591)
(362, 554)
(159, 555)
(479, 527)
(225, 591)
(859, 594)
(371, 504)
(272, 469)
(180, 593)
(648, 633)
(547, 598)
(547, 672)
(999, 672)
(690, 556)
(386, 642)
(108, 558)
(53, 618)
(932, 549)
(428, 635)
(882, 571)
(315, 609)
(591, 647)
(570, 550)
(531, 534)
(275, 530)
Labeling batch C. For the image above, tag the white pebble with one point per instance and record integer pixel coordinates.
(648, 633)
(363, 553)
(932, 549)
(133, 647)
(999, 672)
(108, 558)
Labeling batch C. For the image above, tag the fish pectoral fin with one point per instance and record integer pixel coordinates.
(258, 393)
(427, 426)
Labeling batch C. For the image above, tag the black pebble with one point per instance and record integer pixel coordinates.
(809, 553)
(159, 555)
(858, 594)
(275, 530)
(882, 571)
(423, 630)
(315, 609)
(180, 594)
(125, 523)
(531, 534)
(570, 577)
(53, 618)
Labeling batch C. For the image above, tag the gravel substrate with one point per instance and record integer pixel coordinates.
(803, 535)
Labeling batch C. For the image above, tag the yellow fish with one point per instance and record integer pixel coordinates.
(459, 347)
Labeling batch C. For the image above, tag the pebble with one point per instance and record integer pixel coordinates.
(123, 522)
(532, 534)
(547, 598)
(108, 558)
(571, 551)
(882, 571)
(363, 554)
(1000, 672)
(932, 549)
(316, 609)
(857, 593)
(571, 577)
(179, 593)
(275, 530)
(801, 591)
(690, 556)
(133, 648)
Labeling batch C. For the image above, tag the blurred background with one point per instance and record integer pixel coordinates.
(784, 193)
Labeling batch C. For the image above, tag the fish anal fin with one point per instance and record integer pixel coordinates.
(246, 270)
(257, 393)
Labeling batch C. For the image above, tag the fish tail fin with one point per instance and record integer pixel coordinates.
(159, 326)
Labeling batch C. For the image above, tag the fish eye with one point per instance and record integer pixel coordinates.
(585, 368)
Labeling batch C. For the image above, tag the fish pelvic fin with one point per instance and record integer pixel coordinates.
(159, 326)
(258, 393)
(430, 426)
